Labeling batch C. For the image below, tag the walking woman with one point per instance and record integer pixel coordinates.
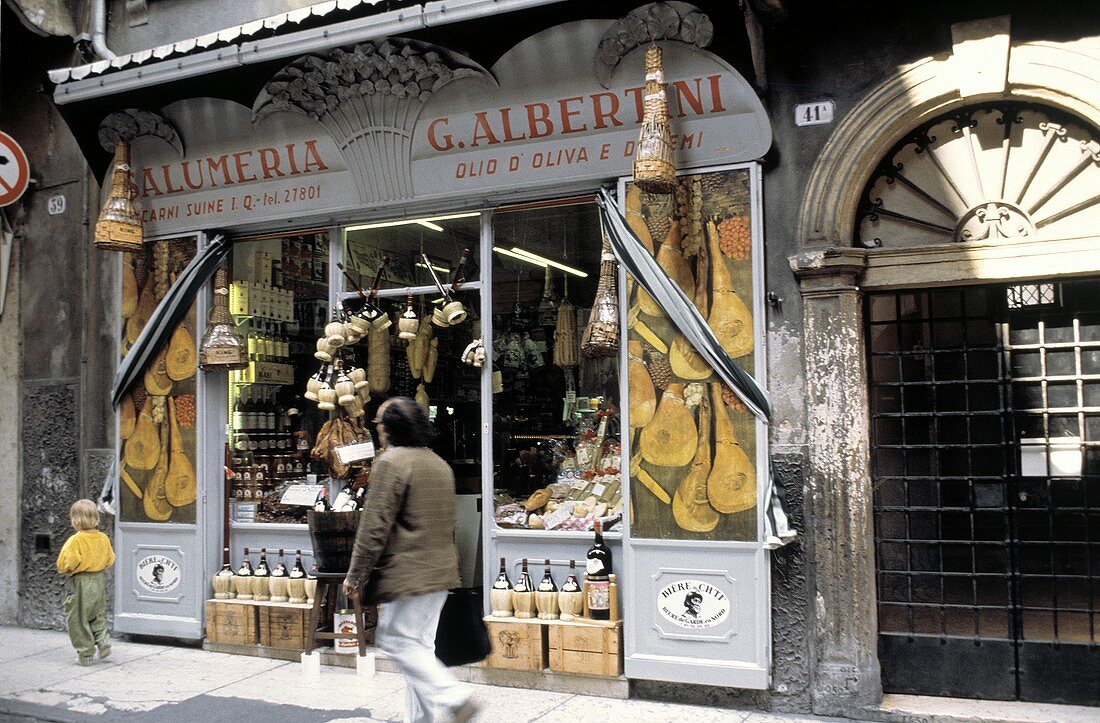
(405, 556)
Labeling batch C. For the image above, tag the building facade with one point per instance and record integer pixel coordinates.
(922, 272)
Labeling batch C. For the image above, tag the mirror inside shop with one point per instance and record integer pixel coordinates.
(410, 322)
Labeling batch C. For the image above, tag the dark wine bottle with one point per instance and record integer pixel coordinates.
(597, 578)
(547, 584)
(524, 583)
(297, 571)
(571, 584)
(502, 582)
(245, 570)
(280, 567)
(262, 569)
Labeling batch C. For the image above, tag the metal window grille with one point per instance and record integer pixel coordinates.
(985, 454)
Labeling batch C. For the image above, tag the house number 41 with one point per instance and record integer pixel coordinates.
(813, 114)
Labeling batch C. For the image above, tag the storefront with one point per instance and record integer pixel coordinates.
(355, 175)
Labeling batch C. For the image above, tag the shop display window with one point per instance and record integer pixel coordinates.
(556, 436)
(157, 460)
(278, 297)
(694, 467)
(394, 267)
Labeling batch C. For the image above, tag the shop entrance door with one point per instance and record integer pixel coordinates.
(162, 558)
(985, 410)
(697, 572)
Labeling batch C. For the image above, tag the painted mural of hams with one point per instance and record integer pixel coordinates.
(368, 97)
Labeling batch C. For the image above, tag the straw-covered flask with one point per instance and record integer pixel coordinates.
(222, 347)
(119, 227)
(654, 167)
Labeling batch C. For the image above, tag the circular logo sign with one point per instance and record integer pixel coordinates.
(15, 172)
(157, 573)
(693, 604)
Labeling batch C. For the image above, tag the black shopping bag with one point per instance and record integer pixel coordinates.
(461, 637)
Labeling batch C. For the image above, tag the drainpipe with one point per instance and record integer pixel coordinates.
(99, 30)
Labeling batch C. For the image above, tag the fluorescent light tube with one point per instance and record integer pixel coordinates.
(549, 262)
(529, 260)
(440, 269)
(421, 221)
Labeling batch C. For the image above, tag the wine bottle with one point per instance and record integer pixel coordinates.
(223, 579)
(340, 504)
(242, 581)
(238, 412)
(500, 596)
(597, 581)
(280, 567)
(279, 581)
(321, 505)
(571, 584)
(297, 571)
(523, 594)
(546, 598)
(571, 597)
(356, 502)
(261, 588)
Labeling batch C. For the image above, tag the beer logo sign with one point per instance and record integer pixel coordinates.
(157, 573)
(693, 604)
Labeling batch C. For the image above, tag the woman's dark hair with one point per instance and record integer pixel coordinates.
(406, 423)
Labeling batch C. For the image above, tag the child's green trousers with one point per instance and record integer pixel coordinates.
(84, 611)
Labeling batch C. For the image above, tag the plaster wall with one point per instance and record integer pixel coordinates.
(10, 478)
(58, 316)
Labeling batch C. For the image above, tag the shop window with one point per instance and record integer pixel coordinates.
(556, 444)
(694, 462)
(278, 296)
(157, 414)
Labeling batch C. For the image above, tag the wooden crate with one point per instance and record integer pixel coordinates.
(283, 625)
(588, 648)
(517, 644)
(231, 621)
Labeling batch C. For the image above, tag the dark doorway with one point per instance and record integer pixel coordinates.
(985, 419)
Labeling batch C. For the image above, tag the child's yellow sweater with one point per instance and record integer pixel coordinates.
(86, 551)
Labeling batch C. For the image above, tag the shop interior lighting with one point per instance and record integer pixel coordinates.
(536, 260)
(440, 269)
(428, 222)
(548, 262)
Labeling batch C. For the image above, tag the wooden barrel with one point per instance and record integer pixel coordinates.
(333, 536)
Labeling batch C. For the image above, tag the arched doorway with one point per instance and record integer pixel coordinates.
(935, 231)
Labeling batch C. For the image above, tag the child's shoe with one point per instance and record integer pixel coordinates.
(104, 650)
(84, 660)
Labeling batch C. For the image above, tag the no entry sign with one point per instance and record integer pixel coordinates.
(15, 173)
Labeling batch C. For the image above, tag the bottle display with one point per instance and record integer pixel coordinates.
(571, 597)
(523, 594)
(311, 583)
(500, 596)
(546, 596)
(597, 578)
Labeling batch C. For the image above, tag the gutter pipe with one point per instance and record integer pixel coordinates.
(99, 30)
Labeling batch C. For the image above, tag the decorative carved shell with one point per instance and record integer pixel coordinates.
(677, 21)
(126, 125)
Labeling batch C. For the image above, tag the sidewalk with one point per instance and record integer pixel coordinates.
(40, 680)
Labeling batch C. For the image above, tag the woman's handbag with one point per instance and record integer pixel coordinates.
(461, 637)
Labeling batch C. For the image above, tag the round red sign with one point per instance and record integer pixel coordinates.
(15, 172)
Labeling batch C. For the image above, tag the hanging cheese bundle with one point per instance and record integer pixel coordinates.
(643, 400)
(654, 169)
(729, 318)
(180, 483)
(601, 336)
(378, 361)
(690, 507)
(731, 486)
(684, 360)
(669, 438)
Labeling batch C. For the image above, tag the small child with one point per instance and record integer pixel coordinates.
(83, 558)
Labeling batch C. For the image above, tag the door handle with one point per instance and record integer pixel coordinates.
(1023, 497)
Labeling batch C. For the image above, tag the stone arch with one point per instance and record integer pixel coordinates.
(1065, 76)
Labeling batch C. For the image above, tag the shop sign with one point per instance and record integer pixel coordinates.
(540, 117)
(693, 604)
(158, 573)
